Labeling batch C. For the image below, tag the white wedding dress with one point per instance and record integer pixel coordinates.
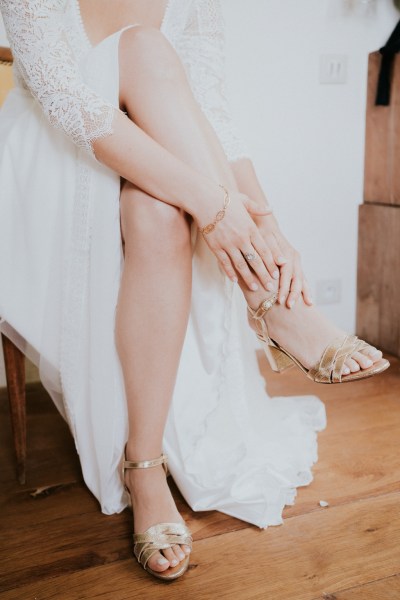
(230, 446)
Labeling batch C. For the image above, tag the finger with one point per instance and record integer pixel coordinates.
(242, 268)
(295, 291)
(255, 209)
(264, 266)
(285, 282)
(276, 250)
(306, 291)
(296, 285)
(264, 251)
(280, 260)
(257, 265)
(226, 264)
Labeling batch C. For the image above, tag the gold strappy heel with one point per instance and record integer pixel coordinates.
(160, 536)
(330, 366)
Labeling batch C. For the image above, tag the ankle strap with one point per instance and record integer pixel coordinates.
(146, 464)
(263, 308)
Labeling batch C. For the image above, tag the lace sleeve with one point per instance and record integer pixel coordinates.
(207, 71)
(47, 64)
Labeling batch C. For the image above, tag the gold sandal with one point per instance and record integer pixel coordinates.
(161, 536)
(329, 368)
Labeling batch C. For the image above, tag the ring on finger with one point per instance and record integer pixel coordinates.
(249, 256)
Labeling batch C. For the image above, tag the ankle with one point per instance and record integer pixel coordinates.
(142, 452)
(145, 481)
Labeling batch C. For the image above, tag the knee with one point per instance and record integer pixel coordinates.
(147, 49)
(150, 223)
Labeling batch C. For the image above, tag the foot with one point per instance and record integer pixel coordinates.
(305, 333)
(152, 503)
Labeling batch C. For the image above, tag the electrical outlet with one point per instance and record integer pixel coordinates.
(329, 291)
(333, 68)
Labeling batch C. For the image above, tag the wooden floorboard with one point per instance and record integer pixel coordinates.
(384, 589)
(308, 556)
(56, 544)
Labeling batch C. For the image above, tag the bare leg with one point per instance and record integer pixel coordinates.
(155, 292)
(151, 320)
(192, 139)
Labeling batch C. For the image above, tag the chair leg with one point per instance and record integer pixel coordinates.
(15, 372)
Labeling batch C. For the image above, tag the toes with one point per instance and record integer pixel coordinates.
(346, 369)
(352, 365)
(180, 555)
(372, 353)
(170, 555)
(364, 361)
(158, 562)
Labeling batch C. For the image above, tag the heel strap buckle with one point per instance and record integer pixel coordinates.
(263, 308)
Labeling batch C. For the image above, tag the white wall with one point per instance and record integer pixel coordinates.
(306, 139)
(3, 38)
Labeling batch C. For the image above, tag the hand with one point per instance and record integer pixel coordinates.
(292, 281)
(237, 234)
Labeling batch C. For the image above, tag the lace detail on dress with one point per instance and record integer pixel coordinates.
(202, 49)
(75, 31)
(75, 289)
(49, 68)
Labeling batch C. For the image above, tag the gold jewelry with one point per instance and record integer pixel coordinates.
(220, 214)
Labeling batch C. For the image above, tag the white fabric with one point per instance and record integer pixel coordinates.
(48, 66)
(230, 447)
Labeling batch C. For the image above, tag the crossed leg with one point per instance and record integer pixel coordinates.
(155, 291)
(156, 286)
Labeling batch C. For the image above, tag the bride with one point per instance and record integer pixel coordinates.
(133, 231)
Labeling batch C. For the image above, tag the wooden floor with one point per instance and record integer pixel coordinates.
(55, 544)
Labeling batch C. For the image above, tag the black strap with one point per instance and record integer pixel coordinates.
(385, 74)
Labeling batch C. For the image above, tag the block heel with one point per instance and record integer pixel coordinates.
(278, 360)
(330, 366)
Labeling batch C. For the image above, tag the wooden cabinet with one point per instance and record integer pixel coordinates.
(378, 286)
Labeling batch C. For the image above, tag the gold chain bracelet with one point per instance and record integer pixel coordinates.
(220, 214)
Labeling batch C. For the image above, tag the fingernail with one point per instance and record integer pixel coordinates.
(275, 274)
(282, 300)
(369, 363)
(270, 286)
(187, 550)
(162, 561)
(311, 300)
(281, 259)
(254, 287)
(346, 370)
(174, 562)
(181, 555)
(290, 304)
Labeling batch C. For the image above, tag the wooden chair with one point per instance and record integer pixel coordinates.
(13, 358)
